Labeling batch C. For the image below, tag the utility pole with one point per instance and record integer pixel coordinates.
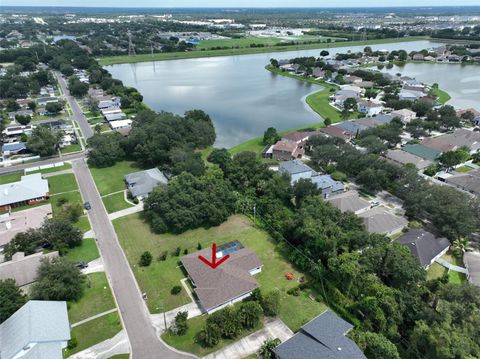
(162, 308)
(254, 215)
(131, 48)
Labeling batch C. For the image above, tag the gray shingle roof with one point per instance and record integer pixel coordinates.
(352, 127)
(424, 245)
(325, 182)
(23, 269)
(469, 181)
(29, 187)
(403, 157)
(140, 184)
(349, 201)
(322, 338)
(42, 322)
(230, 280)
(293, 167)
(379, 220)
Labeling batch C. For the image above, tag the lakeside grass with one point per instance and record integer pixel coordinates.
(442, 96)
(163, 56)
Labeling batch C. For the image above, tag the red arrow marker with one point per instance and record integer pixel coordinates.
(214, 264)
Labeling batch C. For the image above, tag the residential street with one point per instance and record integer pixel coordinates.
(21, 167)
(78, 115)
(136, 318)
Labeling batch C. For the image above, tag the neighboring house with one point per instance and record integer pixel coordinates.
(115, 116)
(422, 151)
(452, 141)
(404, 114)
(115, 125)
(403, 158)
(469, 181)
(472, 263)
(327, 185)
(27, 113)
(349, 201)
(31, 189)
(425, 246)
(410, 95)
(296, 169)
(140, 184)
(13, 131)
(338, 132)
(296, 137)
(14, 148)
(384, 118)
(352, 127)
(380, 220)
(322, 337)
(23, 268)
(16, 222)
(369, 108)
(38, 330)
(230, 282)
(286, 150)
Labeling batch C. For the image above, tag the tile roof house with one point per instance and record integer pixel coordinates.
(404, 158)
(230, 282)
(424, 245)
(29, 190)
(296, 137)
(380, 220)
(469, 181)
(23, 268)
(422, 151)
(472, 263)
(38, 330)
(349, 201)
(141, 183)
(324, 337)
(352, 127)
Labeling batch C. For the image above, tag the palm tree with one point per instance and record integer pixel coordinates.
(266, 350)
(459, 246)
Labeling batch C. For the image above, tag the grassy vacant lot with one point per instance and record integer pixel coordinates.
(62, 183)
(115, 202)
(71, 148)
(110, 179)
(241, 42)
(442, 96)
(157, 279)
(10, 177)
(162, 56)
(70, 197)
(188, 343)
(87, 252)
(94, 332)
(96, 299)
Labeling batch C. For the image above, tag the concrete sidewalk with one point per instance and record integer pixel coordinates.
(158, 320)
(274, 328)
(106, 349)
(126, 211)
(94, 266)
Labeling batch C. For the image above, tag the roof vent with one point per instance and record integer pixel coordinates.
(339, 349)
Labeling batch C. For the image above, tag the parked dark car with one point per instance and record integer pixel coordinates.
(81, 265)
(87, 206)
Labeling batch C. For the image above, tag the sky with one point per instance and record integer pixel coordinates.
(239, 3)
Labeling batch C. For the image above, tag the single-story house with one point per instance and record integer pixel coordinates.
(327, 185)
(115, 125)
(296, 137)
(230, 282)
(352, 127)
(115, 116)
(39, 329)
(26, 113)
(141, 183)
(322, 337)
(404, 114)
(422, 151)
(425, 246)
(19, 221)
(468, 181)
(403, 158)
(296, 169)
(410, 95)
(472, 263)
(286, 150)
(18, 130)
(380, 220)
(349, 201)
(30, 189)
(14, 148)
(338, 132)
(365, 84)
(452, 141)
(383, 118)
(24, 268)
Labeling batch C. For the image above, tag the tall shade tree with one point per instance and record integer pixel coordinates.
(11, 298)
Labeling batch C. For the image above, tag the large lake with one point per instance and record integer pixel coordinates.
(244, 99)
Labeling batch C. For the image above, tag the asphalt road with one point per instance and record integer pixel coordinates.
(78, 115)
(21, 167)
(136, 318)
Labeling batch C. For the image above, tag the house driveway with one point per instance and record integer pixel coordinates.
(94, 266)
(274, 328)
(158, 320)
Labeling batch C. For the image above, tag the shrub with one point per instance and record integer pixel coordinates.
(175, 290)
(271, 303)
(295, 291)
(163, 256)
(185, 251)
(249, 314)
(176, 252)
(135, 200)
(180, 325)
(72, 343)
(145, 259)
(199, 246)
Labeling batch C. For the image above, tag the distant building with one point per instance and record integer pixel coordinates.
(140, 184)
(327, 185)
(322, 337)
(469, 181)
(424, 246)
(286, 150)
(403, 158)
(38, 330)
(229, 283)
(31, 189)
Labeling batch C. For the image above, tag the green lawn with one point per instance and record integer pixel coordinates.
(241, 42)
(87, 252)
(435, 271)
(188, 343)
(163, 56)
(110, 179)
(94, 332)
(71, 148)
(463, 169)
(70, 197)
(62, 183)
(120, 356)
(136, 237)
(83, 224)
(115, 202)
(96, 299)
(10, 177)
